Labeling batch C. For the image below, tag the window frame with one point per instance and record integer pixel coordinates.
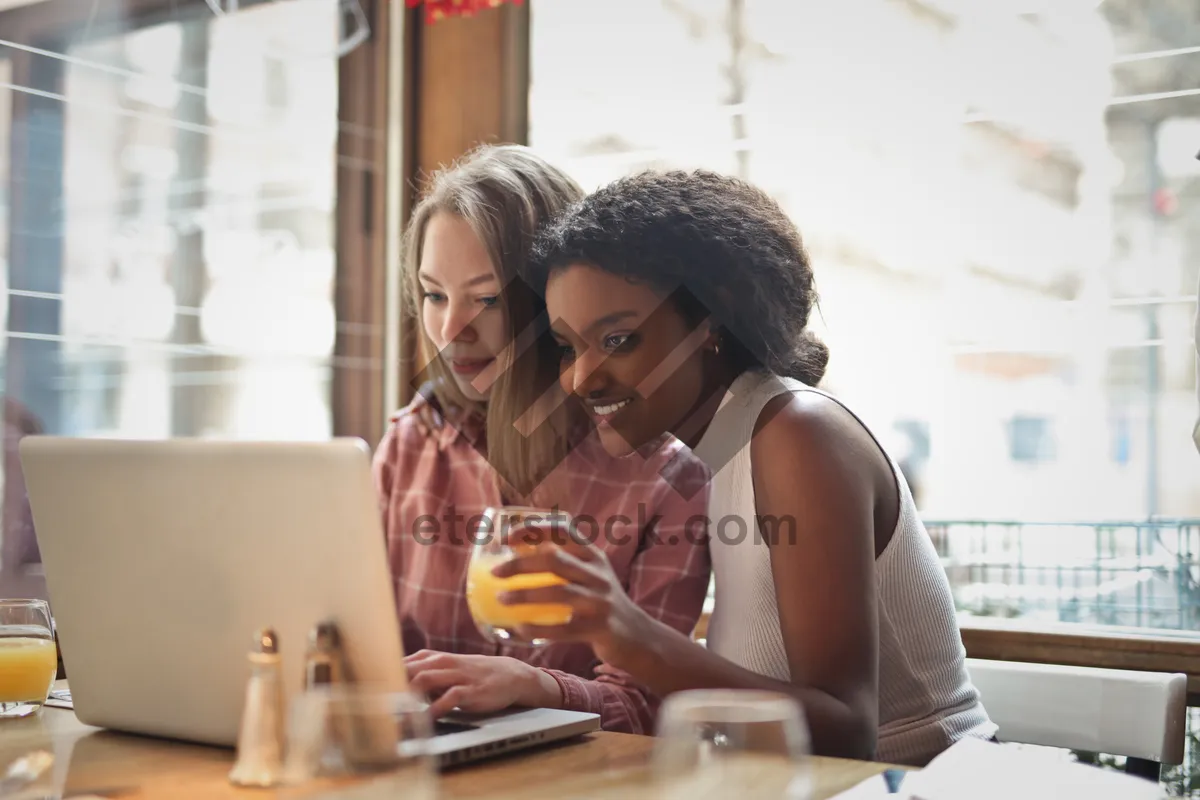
(361, 209)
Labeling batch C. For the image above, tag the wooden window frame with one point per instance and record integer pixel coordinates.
(467, 84)
(1107, 647)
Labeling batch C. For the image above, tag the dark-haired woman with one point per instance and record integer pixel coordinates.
(681, 303)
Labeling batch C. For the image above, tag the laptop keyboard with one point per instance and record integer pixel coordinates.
(441, 727)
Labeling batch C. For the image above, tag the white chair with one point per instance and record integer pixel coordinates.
(1139, 715)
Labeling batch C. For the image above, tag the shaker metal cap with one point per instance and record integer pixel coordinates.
(324, 636)
(266, 642)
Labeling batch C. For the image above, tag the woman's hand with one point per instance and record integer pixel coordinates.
(602, 614)
(478, 684)
(429, 421)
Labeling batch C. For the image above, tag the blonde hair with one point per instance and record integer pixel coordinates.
(504, 193)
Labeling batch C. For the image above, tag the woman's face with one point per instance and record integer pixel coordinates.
(460, 307)
(627, 353)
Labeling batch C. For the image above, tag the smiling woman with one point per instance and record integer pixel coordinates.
(631, 358)
(681, 303)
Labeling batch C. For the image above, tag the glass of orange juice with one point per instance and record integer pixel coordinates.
(503, 534)
(28, 656)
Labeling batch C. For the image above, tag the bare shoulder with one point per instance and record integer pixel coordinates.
(811, 430)
(812, 458)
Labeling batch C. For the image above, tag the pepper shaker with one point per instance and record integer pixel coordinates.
(260, 746)
(323, 664)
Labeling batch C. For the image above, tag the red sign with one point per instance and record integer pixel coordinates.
(440, 9)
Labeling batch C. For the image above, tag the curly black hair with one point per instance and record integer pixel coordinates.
(717, 245)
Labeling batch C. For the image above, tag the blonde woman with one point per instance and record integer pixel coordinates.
(465, 443)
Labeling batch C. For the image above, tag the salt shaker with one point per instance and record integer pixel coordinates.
(260, 746)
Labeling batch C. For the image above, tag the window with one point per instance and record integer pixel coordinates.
(199, 189)
(915, 435)
(173, 225)
(1031, 440)
(993, 201)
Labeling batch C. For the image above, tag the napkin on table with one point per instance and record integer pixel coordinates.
(981, 770)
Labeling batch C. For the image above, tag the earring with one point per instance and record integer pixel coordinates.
(717, 348)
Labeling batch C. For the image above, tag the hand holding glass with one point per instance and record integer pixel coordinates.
(503, 534)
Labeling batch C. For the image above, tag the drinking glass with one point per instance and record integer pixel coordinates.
(731, 742)
(354, 741)
(503, 534)
(28, 656)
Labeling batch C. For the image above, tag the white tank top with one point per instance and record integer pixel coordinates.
(926, 699)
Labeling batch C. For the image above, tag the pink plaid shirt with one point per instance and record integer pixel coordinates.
(658, 545)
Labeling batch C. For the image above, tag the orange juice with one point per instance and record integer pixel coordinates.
(27, 669)
(483, 589)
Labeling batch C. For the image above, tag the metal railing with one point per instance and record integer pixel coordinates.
(1142, 574)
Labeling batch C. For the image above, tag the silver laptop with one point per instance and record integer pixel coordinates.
(163, 558)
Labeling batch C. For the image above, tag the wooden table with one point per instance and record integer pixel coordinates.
(598, 765)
